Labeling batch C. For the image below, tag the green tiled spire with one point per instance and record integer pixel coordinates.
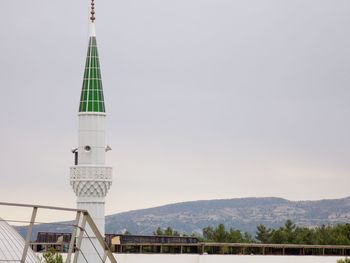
(91, 99)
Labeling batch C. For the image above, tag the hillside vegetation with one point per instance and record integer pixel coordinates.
(243, 214)
(289, 233)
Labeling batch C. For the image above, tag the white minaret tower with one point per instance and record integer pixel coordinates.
(90, 177)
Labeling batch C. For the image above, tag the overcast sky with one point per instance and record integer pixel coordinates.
(205, 99)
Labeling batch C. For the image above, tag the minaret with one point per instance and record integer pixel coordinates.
(90, 177)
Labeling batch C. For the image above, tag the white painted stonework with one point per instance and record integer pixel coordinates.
(91, 179)
(92, 131)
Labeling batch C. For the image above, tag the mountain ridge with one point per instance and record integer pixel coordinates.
(239, 213)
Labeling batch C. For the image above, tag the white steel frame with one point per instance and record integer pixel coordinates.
(82, 218)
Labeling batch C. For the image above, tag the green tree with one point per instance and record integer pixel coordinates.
(170, 232)
(289, 232)
(346, 260)
(208, 233)
(52, 256)
(342, 234)
(220, 234)
(305, 236)
(322, 235)
(263, 234)
(167, 232)
(278, 236)
(126, 233)
(247, 238)
(234, 236)
(158, 232)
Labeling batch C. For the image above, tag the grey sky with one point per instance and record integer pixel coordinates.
(205, 98)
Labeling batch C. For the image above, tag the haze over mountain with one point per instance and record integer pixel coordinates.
(240, 213)
(243, 214)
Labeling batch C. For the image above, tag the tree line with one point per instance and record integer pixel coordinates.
(289, 233)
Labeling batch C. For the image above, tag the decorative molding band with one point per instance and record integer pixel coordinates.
(91, 173)
(91, 181)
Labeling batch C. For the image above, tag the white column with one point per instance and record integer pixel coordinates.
(90, 247)
(91, 180)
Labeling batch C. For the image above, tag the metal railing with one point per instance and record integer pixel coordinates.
(82, 220)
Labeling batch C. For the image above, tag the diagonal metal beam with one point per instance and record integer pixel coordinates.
(29, 235)
(80, 238)
(72, 240)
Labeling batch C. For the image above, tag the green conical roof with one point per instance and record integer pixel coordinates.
(91, 99)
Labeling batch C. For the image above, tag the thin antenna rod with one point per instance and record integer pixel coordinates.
(92, 17)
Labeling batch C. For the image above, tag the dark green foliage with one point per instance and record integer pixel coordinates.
(287, 234)
(166, 232)
(346, 260)
(292, 234)
(219, 234)
(158, 232)
(126, 233)
(52, 256)
(263, 234)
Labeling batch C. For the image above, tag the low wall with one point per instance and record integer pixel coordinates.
(178, 258)
(161, 258)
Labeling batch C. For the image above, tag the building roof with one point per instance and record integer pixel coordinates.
(12, 244)
(91, 99)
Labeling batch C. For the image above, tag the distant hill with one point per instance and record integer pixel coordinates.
(240, 213)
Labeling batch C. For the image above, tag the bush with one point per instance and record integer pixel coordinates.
(52, 256)
(346, 260)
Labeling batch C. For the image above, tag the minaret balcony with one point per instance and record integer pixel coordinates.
(89, 172)
(90, 181)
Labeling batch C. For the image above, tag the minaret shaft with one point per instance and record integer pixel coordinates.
(92, 134)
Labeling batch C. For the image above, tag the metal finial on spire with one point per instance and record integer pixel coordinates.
(92, 17)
